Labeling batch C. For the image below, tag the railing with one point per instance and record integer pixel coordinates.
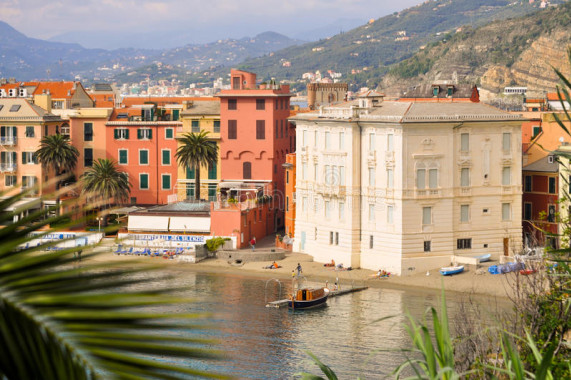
(243, 205)
(8, 140)
(8, 167)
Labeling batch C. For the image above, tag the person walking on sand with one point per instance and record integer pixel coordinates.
(298, 268)
(253, 243)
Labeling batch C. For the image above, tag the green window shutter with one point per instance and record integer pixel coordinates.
(189, 173)
(127, 134)
(166, 182)
(144, 181)
(175, 114)
(122, 156)
(3, 158)
(139, 134)
(23, 157)
(3, 131)
(143, 157)
(166, 157)
(150, 133)
(15, 130)
(14, 157)
(212, 171)
(169, 133)
(116, 133)
(35, 158)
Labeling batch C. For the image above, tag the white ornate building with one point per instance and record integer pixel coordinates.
(403, 186)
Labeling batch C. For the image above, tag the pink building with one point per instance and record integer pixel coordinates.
(254, 142)
(142, 142)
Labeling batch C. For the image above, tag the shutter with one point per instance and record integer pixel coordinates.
(14, 157)
(3, 131)
(15, 131)
(139, 134)
(127, 134)
(35, 157)
(23, 157)
(116, 133)
(3, 157)
(150, 133)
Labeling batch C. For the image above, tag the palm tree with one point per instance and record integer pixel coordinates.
(196, 150)
(56, 152)
(103, 182)
(61, 319)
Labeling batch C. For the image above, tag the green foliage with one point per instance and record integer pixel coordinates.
(63, 319)
(57, 152)
(216, 242)
(104, 182)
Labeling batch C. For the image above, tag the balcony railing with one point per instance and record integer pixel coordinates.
(10, 167)
(8, 140)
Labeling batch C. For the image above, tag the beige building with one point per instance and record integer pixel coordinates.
(196, 116)
(403, 186)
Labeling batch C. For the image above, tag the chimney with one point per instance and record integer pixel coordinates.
(44, 101)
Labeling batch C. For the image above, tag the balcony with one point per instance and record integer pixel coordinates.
(8, 140)
(8, 168)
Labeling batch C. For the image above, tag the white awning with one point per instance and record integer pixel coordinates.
(190, 224)
(28, 203)
(148, 223)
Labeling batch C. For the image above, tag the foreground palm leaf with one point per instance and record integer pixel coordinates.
(60, 319)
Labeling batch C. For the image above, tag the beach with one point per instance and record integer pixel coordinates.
(471, 281)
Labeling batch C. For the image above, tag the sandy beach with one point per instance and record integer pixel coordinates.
(471, 281)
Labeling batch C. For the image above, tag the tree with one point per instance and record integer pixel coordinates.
(57, 152)
(195, 151)
(88, 320)
(103, 182)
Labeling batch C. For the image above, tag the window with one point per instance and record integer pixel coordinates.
(144, 133)
(336, 238)
(216, 126)
(169, 133)
(304, 171)
(551, 213)
(46, 130)
(287, 203)
(465, 177)
(10, 180)
(232, 129)
(449, 92)
(372, 177)
(28, 181)
(57, 104)
(464, 243)
(327, 209)
(327, 174)
(315, 139)
(30, 131)
(123, 154)
(327, 140)
(315, 172)
(133, 200)
(331, 237)
(260, 104)
(432, 178)
(232, 104)
(435, 91)
(247, 170)
(87, 157)
(287, 176)
(29, 158)
(341, 175)
(260, 129)
(506, 142)
(390, 178)
(87, 131)
(166, 181)
(420, 178)
(190, 174)
(371, 213)
(552, 185)
(341, 140)
(527, 208)
(277, 128)
(507, 211)
(143, 181)
(64, 130)
(464, 142)
(371, 241)
(426, 215)
(536, 131)
(427, 246)
(166, 156)
(341, 211)
(371, 142)
(143, 157)
(390, 143)
(175, 115)
(195, 127)
(464, 213)
(506, 176)
(390, 211)
(212, 170)
(121, 134)
(286, 127)
(304, 204)
(527, 184)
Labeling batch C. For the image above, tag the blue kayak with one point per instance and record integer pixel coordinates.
(448, 271)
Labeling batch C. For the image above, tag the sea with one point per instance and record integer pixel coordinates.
(358, 335)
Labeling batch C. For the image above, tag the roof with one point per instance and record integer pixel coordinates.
(57, 90)
(161, 100)
(543, 165)
(21, 109)
(211, 107)
(426, 91)
(370, 94)
(101, 87)
(411, 112)
(178, 207)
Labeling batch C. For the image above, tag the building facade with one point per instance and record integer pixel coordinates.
(403, 186)
(290, 195)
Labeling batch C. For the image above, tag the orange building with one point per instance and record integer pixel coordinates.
(290, 199)
(142, 141)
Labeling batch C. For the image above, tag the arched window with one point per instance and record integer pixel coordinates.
(247, 170)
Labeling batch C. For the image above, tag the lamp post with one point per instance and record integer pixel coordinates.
(99, 219)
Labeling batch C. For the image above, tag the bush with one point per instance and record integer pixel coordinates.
(216, 242)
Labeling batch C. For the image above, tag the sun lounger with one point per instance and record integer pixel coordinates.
(118, 251)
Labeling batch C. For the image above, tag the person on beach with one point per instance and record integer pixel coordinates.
(299, 270)
(253, 243)
(292, 273)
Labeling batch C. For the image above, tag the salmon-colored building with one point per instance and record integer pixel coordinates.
(290, 201)
(142, 141)
(254, 142)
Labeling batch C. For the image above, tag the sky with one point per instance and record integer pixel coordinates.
(206, 20)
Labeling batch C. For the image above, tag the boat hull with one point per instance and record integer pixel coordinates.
(451, 270)
(308, 304)
(483, 258)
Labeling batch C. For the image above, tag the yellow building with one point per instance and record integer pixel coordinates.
(196, 116)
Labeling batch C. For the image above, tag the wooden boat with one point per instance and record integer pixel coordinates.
(308, 297)
(526, 272)
(448, 271)
(483, 258)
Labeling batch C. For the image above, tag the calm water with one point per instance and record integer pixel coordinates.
(268, 343)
